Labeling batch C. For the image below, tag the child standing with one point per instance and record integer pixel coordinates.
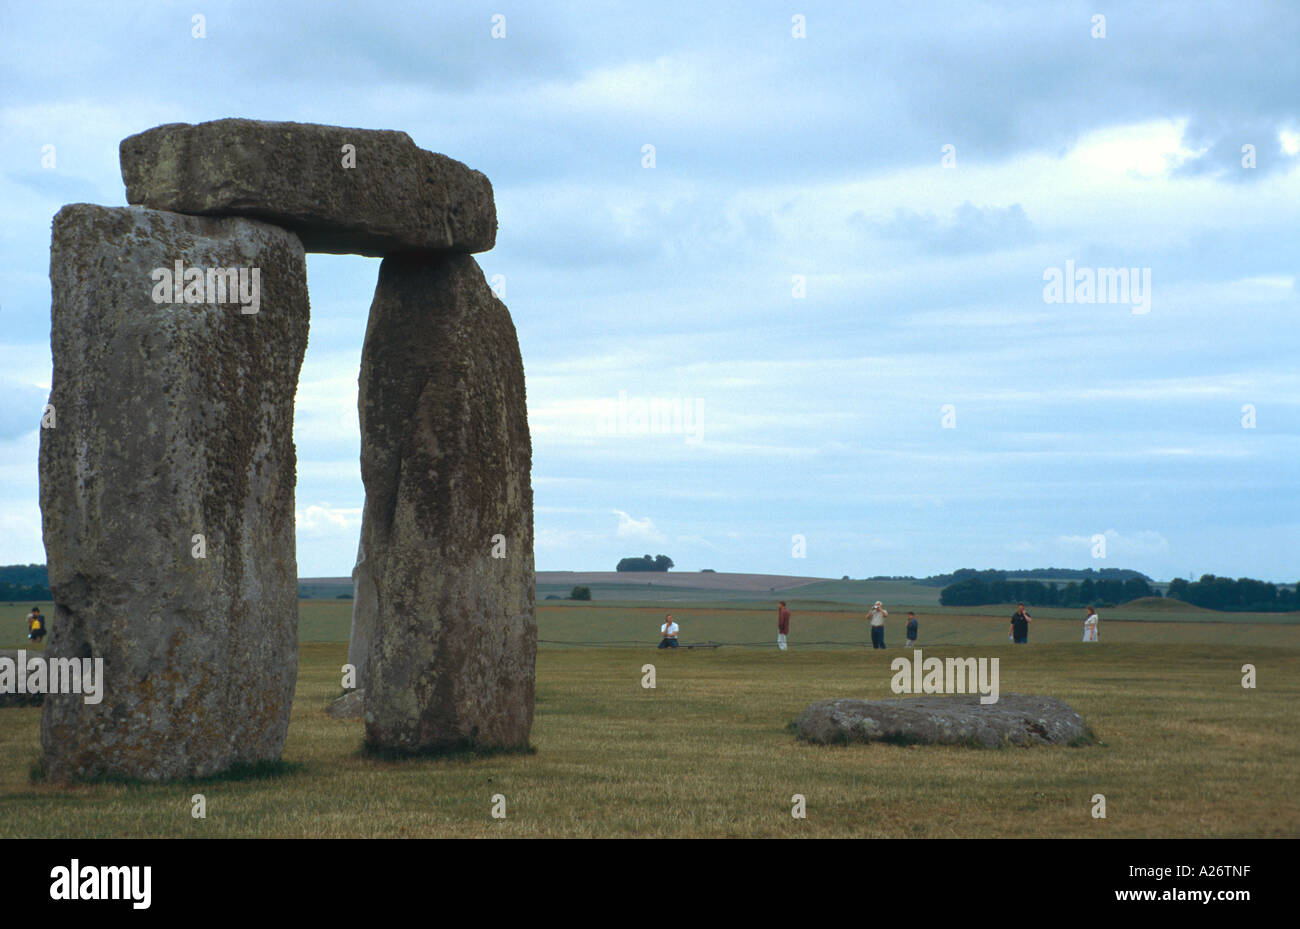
(35, 625)
(911, 630)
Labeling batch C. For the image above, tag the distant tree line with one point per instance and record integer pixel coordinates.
(1242, 595)
(24, 582)
(645, 563)
(977, 591)
(14, 592)
(1055, 574)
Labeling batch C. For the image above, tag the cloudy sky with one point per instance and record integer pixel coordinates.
(827, 278)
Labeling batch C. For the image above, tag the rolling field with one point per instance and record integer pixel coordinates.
(1184, 750)
(689, 587)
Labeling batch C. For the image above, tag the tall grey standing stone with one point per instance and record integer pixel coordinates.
(446, 460)
(172, 419)
(365, 609)
(397, 197)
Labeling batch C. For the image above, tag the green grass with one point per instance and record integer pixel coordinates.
(1182, 749)
(831, 626)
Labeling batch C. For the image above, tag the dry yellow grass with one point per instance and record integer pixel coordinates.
(1185, 751)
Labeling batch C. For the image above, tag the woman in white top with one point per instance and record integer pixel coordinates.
(1090, 626)
(877, 617)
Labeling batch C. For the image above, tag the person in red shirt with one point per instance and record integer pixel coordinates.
(782, 625)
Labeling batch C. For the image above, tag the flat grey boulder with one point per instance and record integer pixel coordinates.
(1016, 719)
(348, 706)
(397, 197)
(167, 489)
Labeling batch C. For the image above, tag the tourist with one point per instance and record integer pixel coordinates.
(1020, 621)
(782, 625)
(1090, 626)
(35, 625)
(669, 630)
(911, 630)
(877, 617)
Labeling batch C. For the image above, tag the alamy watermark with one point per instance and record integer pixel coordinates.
(946, 676)
(630, 416)
(208, 285)
(1099, 285)
(103, 882)
(38, 675)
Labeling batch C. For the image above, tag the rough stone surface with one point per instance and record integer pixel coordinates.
(347, 706)
(399, 197)
(1017, 719)
(171, 420)
(16, 699)
(446, 459)
(365, 610)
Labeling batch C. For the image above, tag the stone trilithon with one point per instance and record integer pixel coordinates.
(167, 482)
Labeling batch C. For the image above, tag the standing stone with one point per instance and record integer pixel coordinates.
(397, 197)
(446, 460)
(172, 420)
(365, 610)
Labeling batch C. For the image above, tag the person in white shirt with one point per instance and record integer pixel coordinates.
(877, 617)
(1090, 626)
(669, 630)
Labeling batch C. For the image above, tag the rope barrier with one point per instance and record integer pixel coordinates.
(642, 644)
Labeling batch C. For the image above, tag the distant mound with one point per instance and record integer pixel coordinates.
(1162, 605)
(712, 580)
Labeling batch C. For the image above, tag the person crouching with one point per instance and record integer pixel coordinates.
(669, 630)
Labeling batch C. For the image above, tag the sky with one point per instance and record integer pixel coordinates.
(782, 273)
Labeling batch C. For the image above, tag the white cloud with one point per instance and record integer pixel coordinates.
(548, 540)
(629, 528)
(324, 519)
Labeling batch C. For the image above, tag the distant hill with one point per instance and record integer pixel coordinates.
(625, 585)
(705, 580)
(673, 586)
(1162, 605)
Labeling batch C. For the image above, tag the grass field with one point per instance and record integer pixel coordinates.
(1184, 751)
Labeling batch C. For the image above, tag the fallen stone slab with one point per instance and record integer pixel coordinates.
(447, 526)
(348, 706)
(1016, 719)
(167, 490)
(13, 698)
(397, 197)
